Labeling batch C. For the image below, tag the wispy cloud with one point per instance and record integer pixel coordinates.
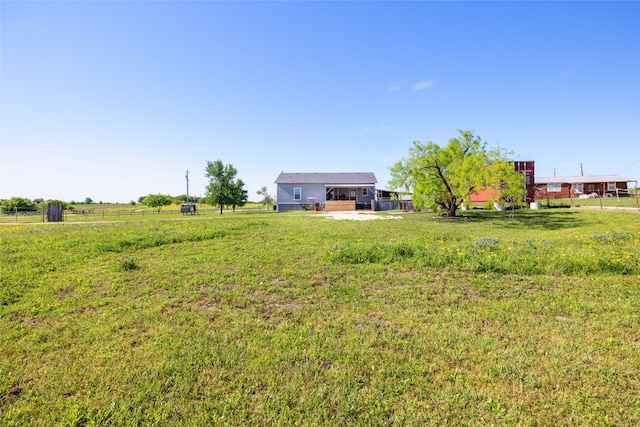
(396, 86)
(423, 84)
(377, 129)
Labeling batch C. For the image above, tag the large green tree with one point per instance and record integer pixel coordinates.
(443, 177)
(157, 201)
(223, 189)
(239, 195)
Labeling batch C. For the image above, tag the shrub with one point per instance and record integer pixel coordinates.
(127, 264)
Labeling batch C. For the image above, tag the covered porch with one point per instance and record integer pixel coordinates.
(348, 197)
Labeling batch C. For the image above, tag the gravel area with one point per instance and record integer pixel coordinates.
(359, 215)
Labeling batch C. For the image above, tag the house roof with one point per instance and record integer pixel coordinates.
(336, 178)
(580, 179)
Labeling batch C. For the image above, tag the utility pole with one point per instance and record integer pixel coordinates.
(187, 176)
(581, 171)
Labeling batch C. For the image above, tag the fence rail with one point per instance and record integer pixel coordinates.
(87, 215)
(628, 201)
(26, 216)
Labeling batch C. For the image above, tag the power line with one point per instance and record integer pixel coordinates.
(48, 150)
(65, 169)
(60, 153)
(627, 167)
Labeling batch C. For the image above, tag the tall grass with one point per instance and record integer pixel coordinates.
(617, 252)
(262, 319)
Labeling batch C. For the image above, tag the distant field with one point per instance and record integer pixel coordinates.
(114, 212)
(259, 318)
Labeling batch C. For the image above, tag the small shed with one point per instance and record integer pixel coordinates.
(188, 209)
(55, 212)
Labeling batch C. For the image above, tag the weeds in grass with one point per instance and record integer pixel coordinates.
(294, 319)
(613, 238)
(487, 242)
(603, 253)
(127, 264)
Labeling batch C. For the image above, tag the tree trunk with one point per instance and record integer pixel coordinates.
(452, 207)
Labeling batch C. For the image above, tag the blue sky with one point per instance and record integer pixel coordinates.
(116, 100)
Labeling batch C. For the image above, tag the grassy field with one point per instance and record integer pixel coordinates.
(295, 319)
(605, 202)
(123, 212)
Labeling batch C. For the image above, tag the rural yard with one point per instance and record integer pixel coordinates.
(319, 213)
(285, 319)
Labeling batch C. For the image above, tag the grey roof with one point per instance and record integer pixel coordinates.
(580, 179)
(326, 178)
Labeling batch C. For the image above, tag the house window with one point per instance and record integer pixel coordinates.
(365, 191)
(578, 188)
(554, 187)
(352, 194)
(297, 193)
(611, 186)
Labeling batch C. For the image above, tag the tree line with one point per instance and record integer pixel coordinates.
(440, 178)
(223, 189)
(25, 205)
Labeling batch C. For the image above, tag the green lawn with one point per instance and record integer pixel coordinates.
(100, 213)
(630, 202)
(282, 319)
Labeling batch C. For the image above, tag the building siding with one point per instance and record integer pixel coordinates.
(285, 193)
(286, 202)
(600, 188)
(314, 188)
(528, 168)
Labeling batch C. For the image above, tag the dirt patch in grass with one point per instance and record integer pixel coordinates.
(358, 215)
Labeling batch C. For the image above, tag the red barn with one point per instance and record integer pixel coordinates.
(527, 168)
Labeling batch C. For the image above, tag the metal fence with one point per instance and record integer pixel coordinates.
(620, 199)
(19, 216)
